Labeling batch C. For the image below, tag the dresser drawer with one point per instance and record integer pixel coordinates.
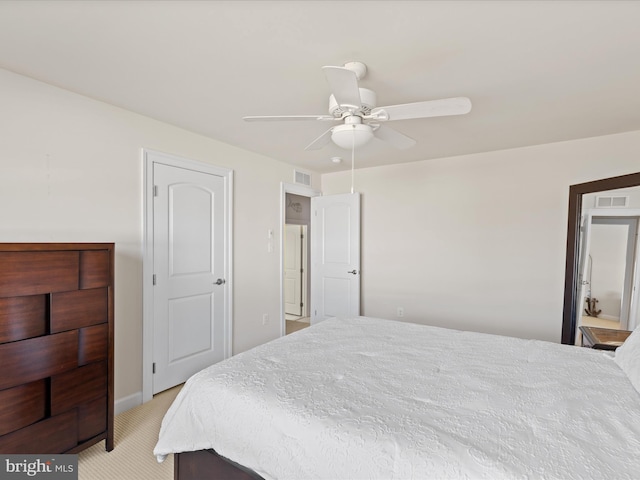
(23, 405)
(53, 435)
(37, 358)
(31, 273)
(95, 269)
(93, 344)
(78, 387)
(23, 317)
(70, 310)
(92, 418)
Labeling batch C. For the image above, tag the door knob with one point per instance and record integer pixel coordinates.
(353, 272)
(220, 281)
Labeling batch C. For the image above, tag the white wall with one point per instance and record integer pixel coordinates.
(71, 171)
(477, 242)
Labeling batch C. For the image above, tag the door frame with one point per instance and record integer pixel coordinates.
(303, 191)
(148, 254)
(302, 240)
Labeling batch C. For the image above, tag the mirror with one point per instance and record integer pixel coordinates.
(574, 293)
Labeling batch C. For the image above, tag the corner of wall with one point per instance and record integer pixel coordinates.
(127, 403)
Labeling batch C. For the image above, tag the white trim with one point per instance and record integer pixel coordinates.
(613, 212)
(127, 403)
(304, 192)
(147, 256)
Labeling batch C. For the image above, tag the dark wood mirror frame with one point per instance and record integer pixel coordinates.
(573, 244)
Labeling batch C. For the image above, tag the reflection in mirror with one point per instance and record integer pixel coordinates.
(602, 276)
(608, 261)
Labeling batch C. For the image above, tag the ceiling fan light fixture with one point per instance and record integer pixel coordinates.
(354, 135)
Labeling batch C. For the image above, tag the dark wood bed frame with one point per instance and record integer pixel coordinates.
(208, 465)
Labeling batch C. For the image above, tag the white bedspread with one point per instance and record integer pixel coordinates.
(365, 398)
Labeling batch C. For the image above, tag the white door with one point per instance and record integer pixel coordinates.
(188, 296)
(335, 256)
(293, 270)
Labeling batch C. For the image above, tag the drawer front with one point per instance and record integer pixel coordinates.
(95, 269)
(23, 317)
(78, 387)
(92, 419)
(21, 406)
(71, 310)
(32, 273)
(93, 344)
(37, 358)
(53, 435)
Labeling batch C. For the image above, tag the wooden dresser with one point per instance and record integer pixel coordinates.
(56, 347)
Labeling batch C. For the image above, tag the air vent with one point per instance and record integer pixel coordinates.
(302, 178)
(612, 202)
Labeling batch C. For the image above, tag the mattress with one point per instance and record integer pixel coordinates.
(367, 398)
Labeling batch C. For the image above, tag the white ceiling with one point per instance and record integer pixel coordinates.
(536, 71)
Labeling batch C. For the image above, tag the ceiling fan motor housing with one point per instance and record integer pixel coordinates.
(367, 99)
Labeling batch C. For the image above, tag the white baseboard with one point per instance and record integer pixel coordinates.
(127, 403)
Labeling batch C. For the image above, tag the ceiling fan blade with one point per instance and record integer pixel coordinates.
(393, 137)
(430, 108)
(344, 86)
(321, 141)
(278, 118)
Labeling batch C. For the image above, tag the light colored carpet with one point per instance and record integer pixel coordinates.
(136, 433)
(294, 326)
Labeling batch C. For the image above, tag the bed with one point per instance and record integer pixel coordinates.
(367, 398)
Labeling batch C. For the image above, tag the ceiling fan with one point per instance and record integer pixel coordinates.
(359, 118)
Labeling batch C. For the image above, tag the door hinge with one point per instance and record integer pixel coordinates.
(301, 304)
(155, 190)
(154, 278)
(154, 367)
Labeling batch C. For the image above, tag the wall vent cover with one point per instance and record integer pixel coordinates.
(612, 202)
(302, 178)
